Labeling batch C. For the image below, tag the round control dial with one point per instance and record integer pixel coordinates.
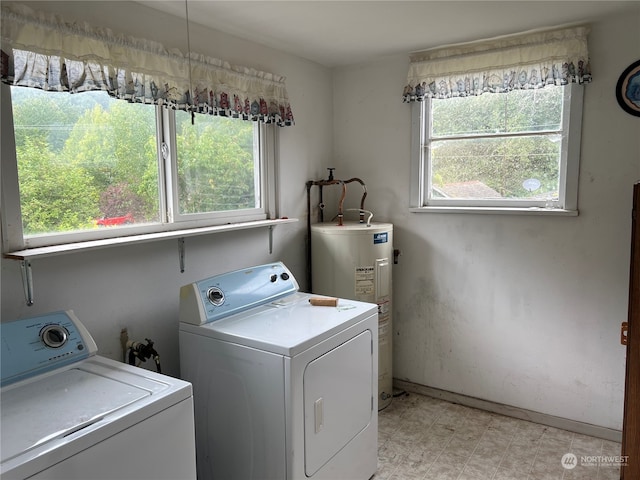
(54, 336)
(215, 296)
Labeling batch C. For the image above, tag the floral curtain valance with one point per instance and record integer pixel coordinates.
(43, 51)
(528, 60)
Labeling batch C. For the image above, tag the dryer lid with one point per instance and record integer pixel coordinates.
(55, 406)
(288, 326)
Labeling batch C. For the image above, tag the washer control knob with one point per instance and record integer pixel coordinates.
(273, 278)
(215, 296)
(54, 336)
(284, 276)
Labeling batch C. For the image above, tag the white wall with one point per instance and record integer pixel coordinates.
(519, 310)
(137, 286)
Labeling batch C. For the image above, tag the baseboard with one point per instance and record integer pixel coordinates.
(509, 411)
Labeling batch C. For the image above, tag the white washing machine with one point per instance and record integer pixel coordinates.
(283, 389)
(68, 413)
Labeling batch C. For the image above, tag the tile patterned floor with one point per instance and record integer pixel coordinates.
(422, 438)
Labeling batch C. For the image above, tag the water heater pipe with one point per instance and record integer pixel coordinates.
(362, 212)
(322, 183)
(364, 195)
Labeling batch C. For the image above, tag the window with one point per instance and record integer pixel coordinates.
(496, 123)
(217, 166)
(88, 166)
(502, 151)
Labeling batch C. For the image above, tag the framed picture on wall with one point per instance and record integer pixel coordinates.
(628, 89)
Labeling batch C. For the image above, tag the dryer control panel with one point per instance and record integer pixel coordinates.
(229, 293)
(35, 345)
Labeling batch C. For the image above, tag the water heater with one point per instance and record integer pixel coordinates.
(354, 261)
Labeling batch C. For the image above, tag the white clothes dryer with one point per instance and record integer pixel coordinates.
(283, 389)
(68, 413)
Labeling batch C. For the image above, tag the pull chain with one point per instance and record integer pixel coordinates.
(191, 96)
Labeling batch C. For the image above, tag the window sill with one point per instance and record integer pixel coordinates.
(540, 211)
(41, 252)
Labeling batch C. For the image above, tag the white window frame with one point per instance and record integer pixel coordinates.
(567, 203)
(13, 238)
(264, 174)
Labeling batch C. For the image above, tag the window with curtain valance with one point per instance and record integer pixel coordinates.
(41, 50)
(517, 152)
(528, 60)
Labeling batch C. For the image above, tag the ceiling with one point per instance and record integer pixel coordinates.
(335, 33)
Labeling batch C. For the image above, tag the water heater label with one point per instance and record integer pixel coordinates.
(364, 277)
(380, 237)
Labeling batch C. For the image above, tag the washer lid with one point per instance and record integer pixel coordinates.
(54, 406)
